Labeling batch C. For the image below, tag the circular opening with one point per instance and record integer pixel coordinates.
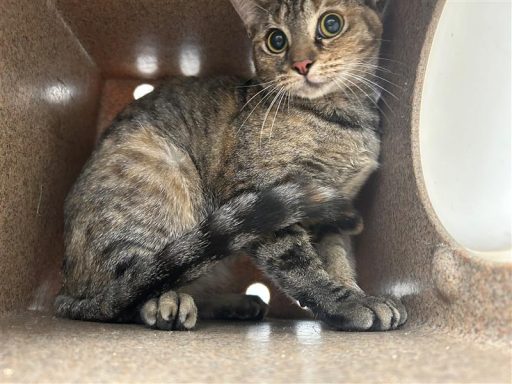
(142, 90)
(465, 125)
(259, 289)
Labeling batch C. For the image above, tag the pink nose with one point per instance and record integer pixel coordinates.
(302, 66)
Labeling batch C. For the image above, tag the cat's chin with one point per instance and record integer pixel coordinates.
(312, 91)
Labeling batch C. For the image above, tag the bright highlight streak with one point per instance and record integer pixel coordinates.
(147, 64)
(190, 61)
(58, 94)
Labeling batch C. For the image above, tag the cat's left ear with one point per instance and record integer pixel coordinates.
(379, 5)
(251, 12)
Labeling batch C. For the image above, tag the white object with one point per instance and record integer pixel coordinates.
(261, 290)
(465, 125)
(142, 90)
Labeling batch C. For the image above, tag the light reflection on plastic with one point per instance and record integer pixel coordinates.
(260, 333)
(308, 332)
(147, 64)
(190, 60)
(404, 288)
(252, 66)
(41, 297)
(58, 94)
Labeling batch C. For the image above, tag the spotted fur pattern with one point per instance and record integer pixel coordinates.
(201, 170)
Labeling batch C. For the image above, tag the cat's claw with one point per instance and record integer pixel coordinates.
(171, 311)
(367, 313)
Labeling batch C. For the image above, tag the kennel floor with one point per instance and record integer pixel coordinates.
(40, 348)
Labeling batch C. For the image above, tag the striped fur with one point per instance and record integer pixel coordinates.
(200, 170)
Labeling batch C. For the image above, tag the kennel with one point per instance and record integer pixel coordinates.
(68, 66)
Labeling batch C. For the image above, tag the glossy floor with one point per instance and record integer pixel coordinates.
(38, 348)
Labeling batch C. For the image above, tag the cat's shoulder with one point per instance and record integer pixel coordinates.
(207, 82)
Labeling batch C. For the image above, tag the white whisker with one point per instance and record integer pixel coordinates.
(275, 116)
(374, 102)
(372, 84)
(252, 98)
(376, 90)
(274, 89)
(343, 85)
(257, 85)
(267, 113)
(376, 76)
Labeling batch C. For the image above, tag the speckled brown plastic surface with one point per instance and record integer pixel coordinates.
(151, 38)
(59, 60)
(43, 349)
(405, 250)
(49, 93)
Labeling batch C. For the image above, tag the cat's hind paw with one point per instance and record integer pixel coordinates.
(233, 307)
(171, 311)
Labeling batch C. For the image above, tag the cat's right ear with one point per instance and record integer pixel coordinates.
(251, 12)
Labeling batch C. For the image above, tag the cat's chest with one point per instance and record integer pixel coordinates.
(316, 149)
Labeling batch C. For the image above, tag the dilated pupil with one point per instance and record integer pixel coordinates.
(332, 24)
(278, 40)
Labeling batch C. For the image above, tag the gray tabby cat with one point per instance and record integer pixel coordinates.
(201, 170)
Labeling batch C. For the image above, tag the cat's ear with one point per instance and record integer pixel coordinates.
(251, 12)
(379, 5)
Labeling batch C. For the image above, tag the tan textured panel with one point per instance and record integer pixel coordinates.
(405, 249)
(153, 38)
(115, 96)
(49, 90)
(47, 350)
(48, 99)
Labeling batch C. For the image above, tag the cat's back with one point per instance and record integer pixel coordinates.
(185, 98)
(174, 129)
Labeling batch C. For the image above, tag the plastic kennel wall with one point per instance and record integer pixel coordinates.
(68, 66)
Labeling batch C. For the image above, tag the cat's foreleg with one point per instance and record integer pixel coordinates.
(294, 264)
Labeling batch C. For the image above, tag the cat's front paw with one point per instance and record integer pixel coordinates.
(170, 311)
(367, 313)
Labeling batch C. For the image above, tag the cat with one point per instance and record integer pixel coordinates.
(202, 170)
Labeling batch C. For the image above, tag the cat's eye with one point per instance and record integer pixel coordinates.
(277, 41)
(330, 25)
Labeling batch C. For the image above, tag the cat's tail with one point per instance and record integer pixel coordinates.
(254, 214)
(229, 229)
(251, 215)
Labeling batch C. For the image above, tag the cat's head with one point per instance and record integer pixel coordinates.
(312, 48)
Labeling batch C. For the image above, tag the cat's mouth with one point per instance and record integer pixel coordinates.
(313, 82)
(310, 87)
(313, 85)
